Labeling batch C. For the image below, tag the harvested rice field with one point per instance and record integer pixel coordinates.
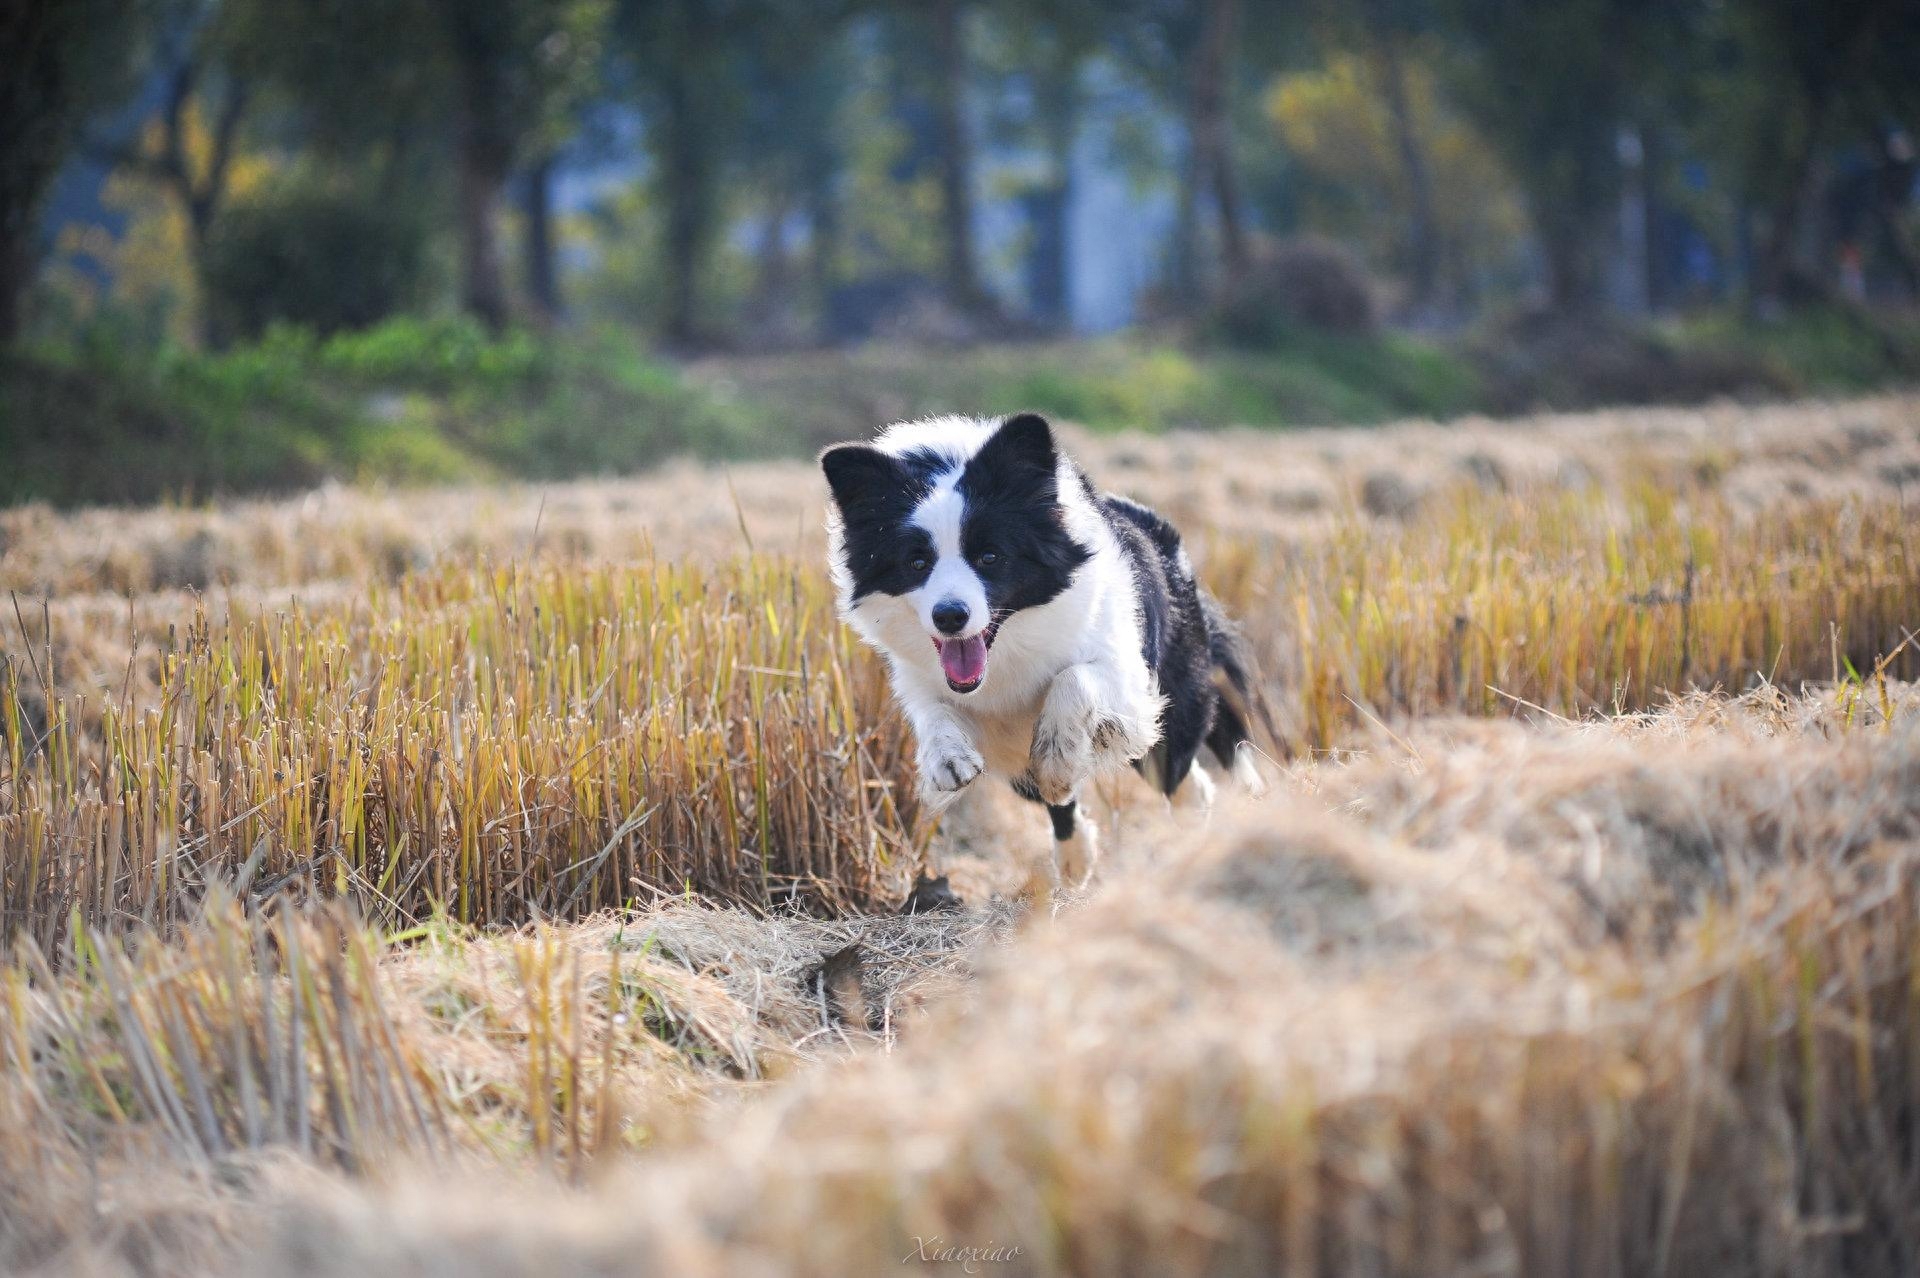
(510, 881)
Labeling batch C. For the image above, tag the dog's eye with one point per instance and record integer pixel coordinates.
(918, 563)
(989, 557)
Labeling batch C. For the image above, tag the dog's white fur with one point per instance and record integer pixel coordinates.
(1068, 694)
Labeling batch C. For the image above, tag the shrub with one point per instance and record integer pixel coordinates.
(436, 352)
(1306, 282)
(1831, 348)
(1544, 359)
(315, 257)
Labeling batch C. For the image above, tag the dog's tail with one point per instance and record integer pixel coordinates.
(1243, 703)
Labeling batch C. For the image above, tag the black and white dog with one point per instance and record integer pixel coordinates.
(1035, 628)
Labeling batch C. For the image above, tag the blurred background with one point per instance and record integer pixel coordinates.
(258, 244)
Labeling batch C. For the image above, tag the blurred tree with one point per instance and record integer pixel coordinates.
(537, 240)
(796, 72)
(519, 68)
(925, 45)
(62, 59)
(1549, 85)
(1187, 50)
(1353, 181)
(310, 254)
(188, 148)
(1209, 121)
(480, 42)
(157, 262)
(1051, 41)
(890, 216)
(1791, 80)
(1387, 25)
(500, 80)
(954, 150)
(683, 68)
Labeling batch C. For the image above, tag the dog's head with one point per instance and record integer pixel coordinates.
(960, 522)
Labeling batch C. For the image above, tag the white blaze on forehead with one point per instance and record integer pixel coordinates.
(955, 438)
(940, 514)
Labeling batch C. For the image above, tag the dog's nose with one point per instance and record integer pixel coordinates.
(950, 616)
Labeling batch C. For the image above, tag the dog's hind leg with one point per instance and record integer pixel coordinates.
(1197, 794)
(1076, 842)
(1232, 744)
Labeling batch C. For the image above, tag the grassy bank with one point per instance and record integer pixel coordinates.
(408, 402)
(98, 420)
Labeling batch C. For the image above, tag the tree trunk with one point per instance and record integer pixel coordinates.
(483, 289)
(1776, 267)
(1780, 248)
(770, 307)
(543, 281)
(16, 274)
(1060, 107)
(1226, 199)
(213, 331)
(1183, 267)
(1900, 245)
(1423, 239)
(823, 260)
(956, 154)
(1573, 283)
(200, 196)
(686, 175)
(1209, 167)
(1223, 22)
(1654, 232)
(484, 156)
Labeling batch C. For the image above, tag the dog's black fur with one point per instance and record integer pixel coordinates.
(1190, 643)
(1205, 667)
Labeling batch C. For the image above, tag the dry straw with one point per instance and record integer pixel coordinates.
(1578, 1001)
(499, 744)
(491, 745)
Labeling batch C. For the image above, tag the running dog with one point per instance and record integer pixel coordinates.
(1035, 628)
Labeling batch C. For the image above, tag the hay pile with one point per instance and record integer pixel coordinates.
(1506, 1000)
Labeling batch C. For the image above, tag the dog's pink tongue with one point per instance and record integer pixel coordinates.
(964, 660)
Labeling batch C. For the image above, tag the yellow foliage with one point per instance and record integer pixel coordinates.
(150, 264)
(1334, 121)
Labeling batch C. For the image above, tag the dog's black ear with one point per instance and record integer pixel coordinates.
(1024, 440)
(858, 473)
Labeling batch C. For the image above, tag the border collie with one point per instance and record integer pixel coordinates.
(1035, 628)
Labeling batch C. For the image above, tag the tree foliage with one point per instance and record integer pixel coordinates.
(1355, 185)
(777, 164)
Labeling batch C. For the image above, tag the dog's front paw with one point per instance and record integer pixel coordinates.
(949, 764)
(1116, 742)
(1069, 751)
(1081, 733)
(1061, 760)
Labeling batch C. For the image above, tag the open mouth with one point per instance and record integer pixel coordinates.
(964, 661)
